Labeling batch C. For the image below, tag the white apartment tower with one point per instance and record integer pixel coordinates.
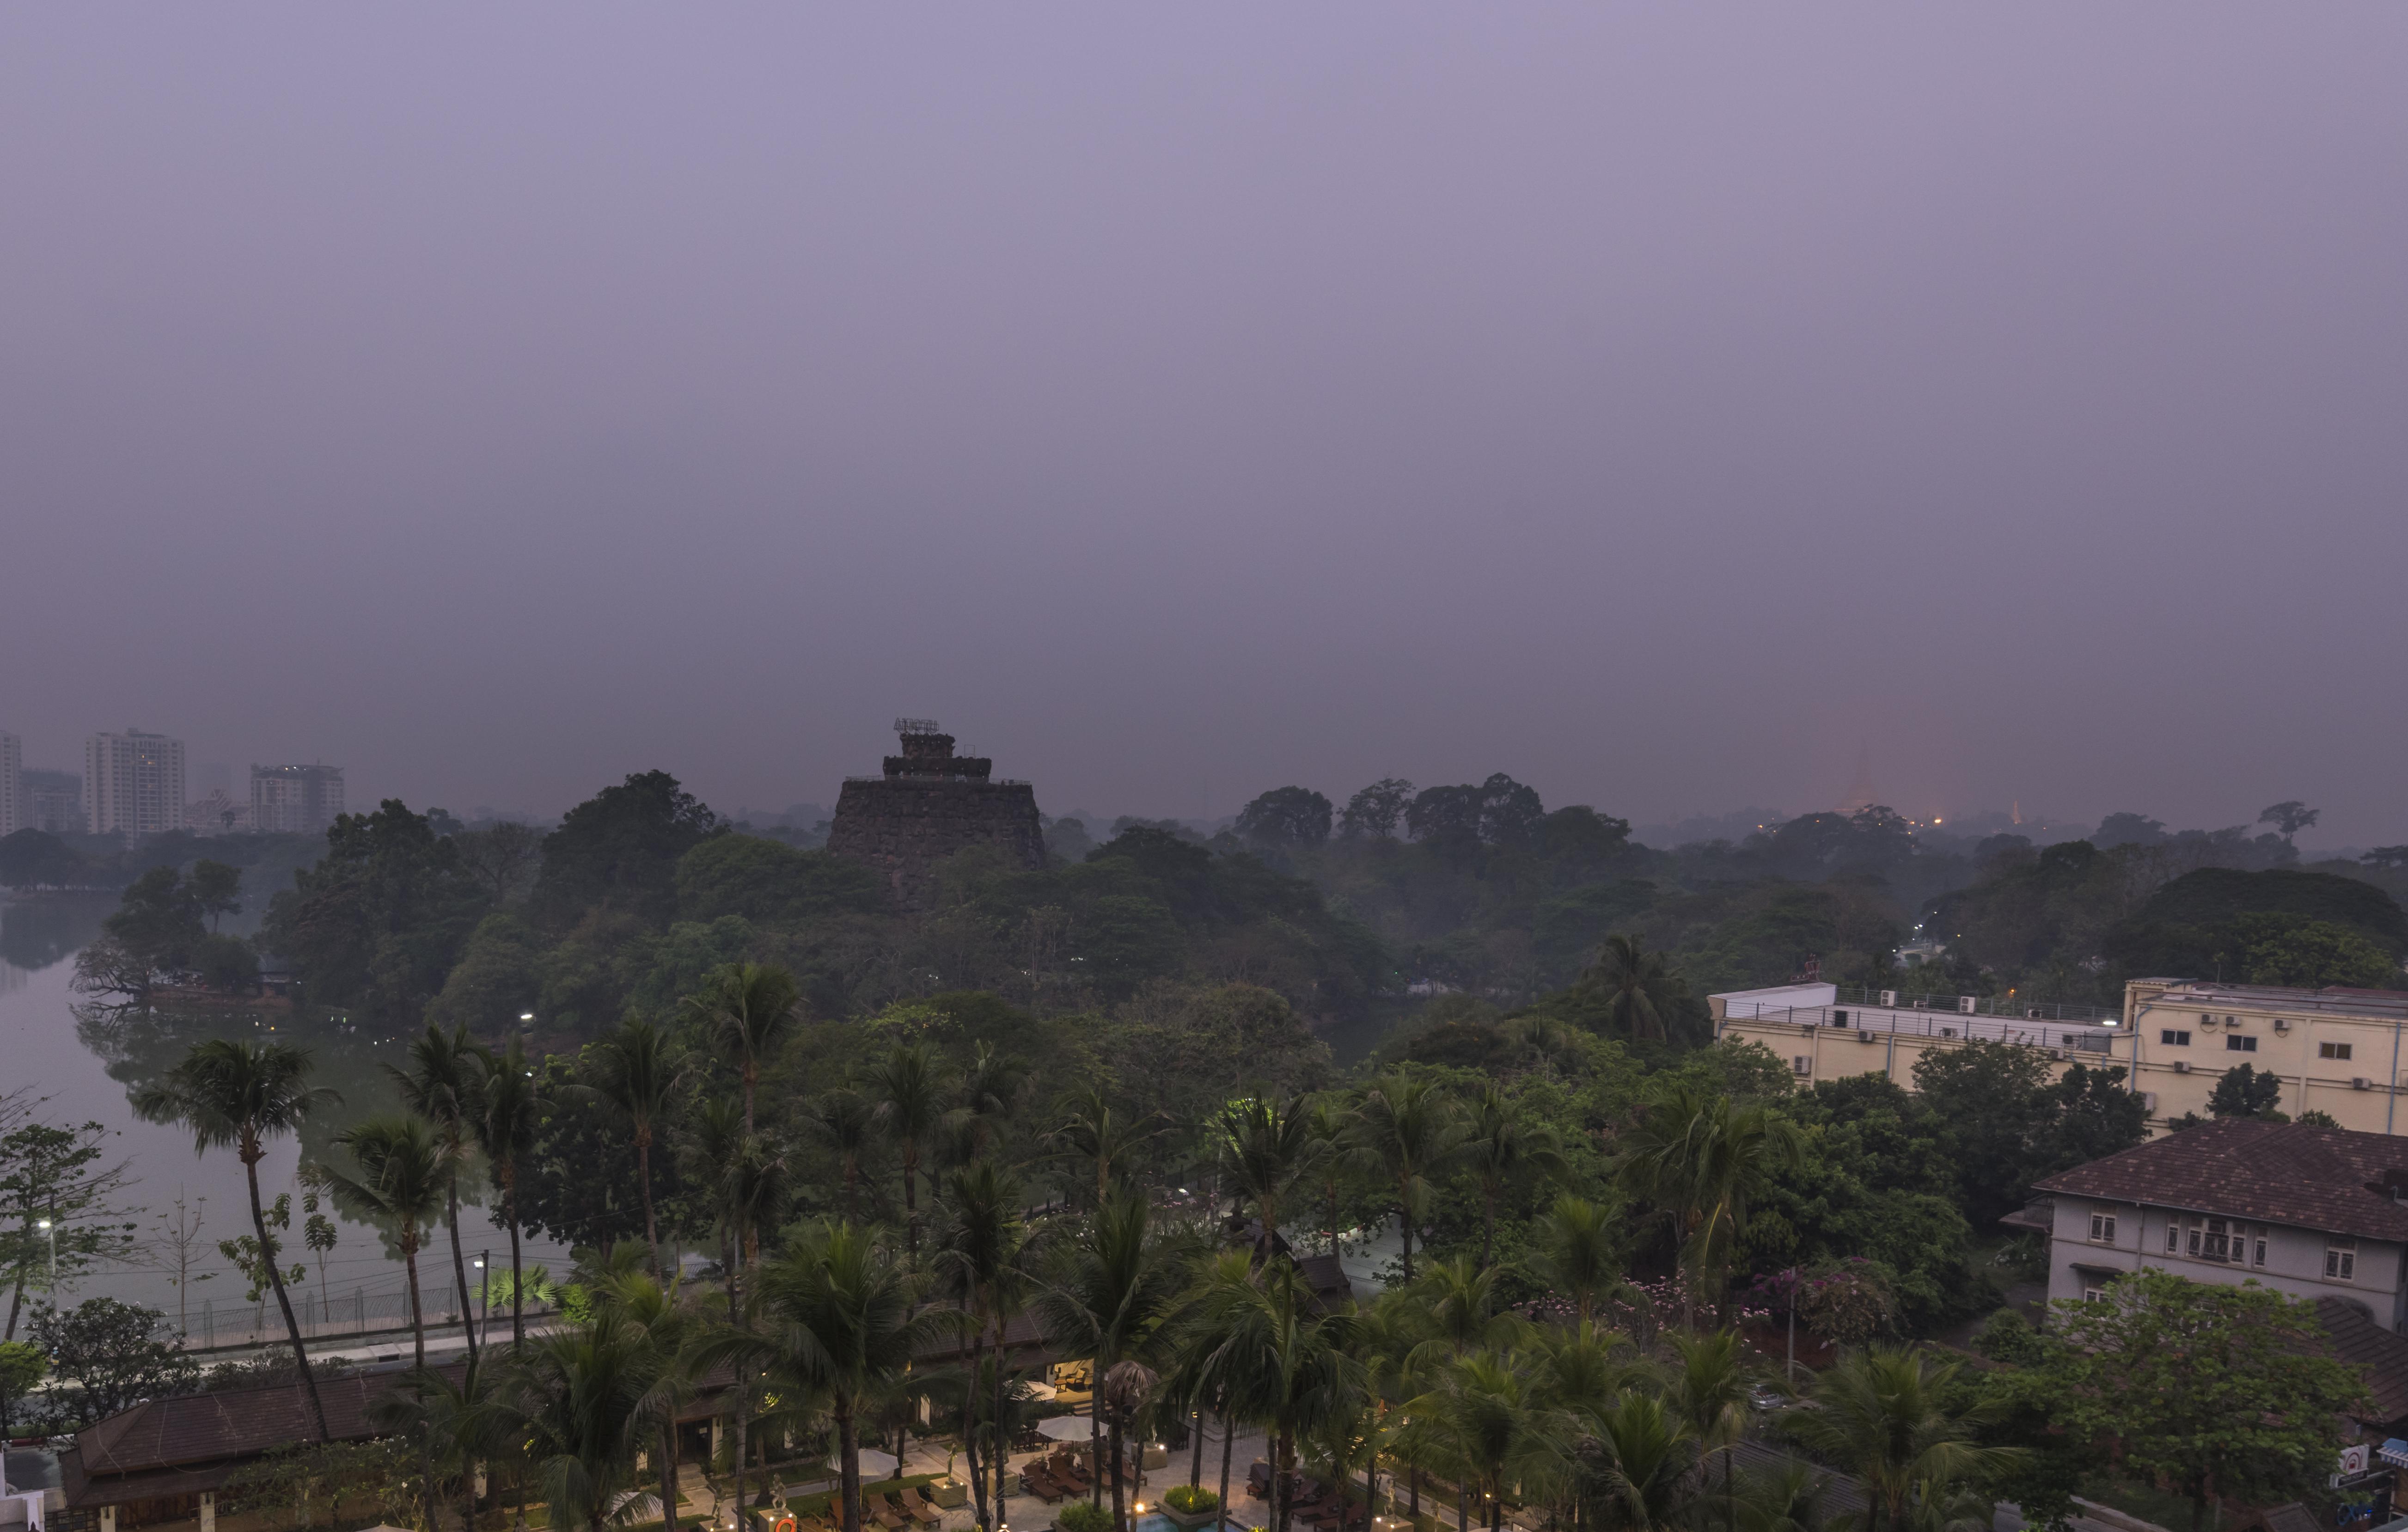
(13, 816)
(132, 783)
(295, 800)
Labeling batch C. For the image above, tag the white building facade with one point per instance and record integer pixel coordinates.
(295, 800)
(132, 783)
(13, 816)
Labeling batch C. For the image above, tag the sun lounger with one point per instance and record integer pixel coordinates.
(1036, 1482)
(883, 1514)
(908, 1502)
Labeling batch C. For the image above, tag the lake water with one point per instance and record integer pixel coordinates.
(86, 1068)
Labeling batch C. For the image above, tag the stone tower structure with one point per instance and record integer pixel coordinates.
(930, 804)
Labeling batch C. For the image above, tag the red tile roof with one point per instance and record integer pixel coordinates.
(2330, 1180)
(2354, 1336)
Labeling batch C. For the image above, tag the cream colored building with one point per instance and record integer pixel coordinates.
(2336, 1051)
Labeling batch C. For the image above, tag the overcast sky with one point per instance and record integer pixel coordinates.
(1655, 402)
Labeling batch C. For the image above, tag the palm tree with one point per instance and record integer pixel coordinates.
(1104, 1294)
(748, 1007)
(513, 1109)
(845, 1121)
(1481, 1416)
(750, 1189)
(1701, 1161)
(1094, 1133)
(588, 1397)
(641, 1071)
(1887, 1415)
(1332, 1121)
(910, 1088)
(1789, 1498)
(404, 1168)
(1709, 1389)
(1641, 993)
(840, 1320)
(1576, 1251)
(979, 1248)
(1406, 1132)
(1458, 1298)
(442, 1083)
(235, 1094)
(1501, 1148)
(669, 1330)
(1636, 1472)
(1581, 1368)
(460, 1424)
(1265, 1148)
(1260, 1340)
(989, 1089)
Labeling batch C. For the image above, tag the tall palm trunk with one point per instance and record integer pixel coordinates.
(969, 1419)
(651, 1230)
(251, 1156)
(418, 1359)
(1405, 1226)
(1196, 1456)
(1002, 1452)
(911, 1203)
(459, 1263)
(509, 1179)
(1094, 1438)
(847, 1447)
(1228, 1435)
(1120, 1508)
(743, 1391)
(668, 1473)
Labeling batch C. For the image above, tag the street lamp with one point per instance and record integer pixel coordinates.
(43, 1225)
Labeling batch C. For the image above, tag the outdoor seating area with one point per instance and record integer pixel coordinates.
(1058, 1475)
(1312, 1503)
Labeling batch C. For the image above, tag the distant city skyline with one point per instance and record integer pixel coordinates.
(1656, 405)
(2333, 831)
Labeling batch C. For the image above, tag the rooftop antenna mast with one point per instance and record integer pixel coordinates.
(917, 725)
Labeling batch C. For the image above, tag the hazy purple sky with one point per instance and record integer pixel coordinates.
(1651, 401)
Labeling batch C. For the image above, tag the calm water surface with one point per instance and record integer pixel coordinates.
(87, 1064)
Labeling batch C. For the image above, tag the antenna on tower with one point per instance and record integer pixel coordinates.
(917, 725)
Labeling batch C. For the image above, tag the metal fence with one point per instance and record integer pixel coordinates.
(2002, 1005)
(217, 1327)
(1876, 1019)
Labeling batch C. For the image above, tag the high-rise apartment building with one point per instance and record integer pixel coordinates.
(53, 801)
(132, 783)
(12, 784)
(295, 800)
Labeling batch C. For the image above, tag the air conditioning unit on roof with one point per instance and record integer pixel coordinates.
(2182, 1067)
(1864, 1036)
(1965, 1004)
(2282, 1026)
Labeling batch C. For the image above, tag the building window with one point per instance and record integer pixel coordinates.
(2235, 1043)
(2341, 1259)
(2092, 1295)
(2217, 1243)
(2102, 1228)
(2174, 1038)
(2333, 1050)
(2173, 1237)
(2258, 1249)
